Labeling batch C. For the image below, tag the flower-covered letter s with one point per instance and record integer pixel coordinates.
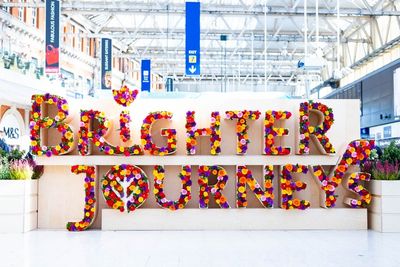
(357, 153)
(37, 123)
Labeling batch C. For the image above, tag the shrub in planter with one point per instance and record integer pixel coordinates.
(20, 170)
(386, 170)
(391, 153)
(384, 212)
(18, 194)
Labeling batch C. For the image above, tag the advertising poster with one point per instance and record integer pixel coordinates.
(106, 64)
(52, 42)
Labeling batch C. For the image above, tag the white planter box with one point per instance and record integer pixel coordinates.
(384, 211)
(18, 205)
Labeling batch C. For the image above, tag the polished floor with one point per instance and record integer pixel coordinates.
(200, 248)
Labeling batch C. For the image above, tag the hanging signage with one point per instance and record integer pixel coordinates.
(12, 124)
(146, 75)
(192, 51)
(169, 84)
(52, 41)
(106, 64)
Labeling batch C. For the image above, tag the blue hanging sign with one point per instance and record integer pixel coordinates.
(146, 75)
(192, 50)
(52, 42)
(106, 64)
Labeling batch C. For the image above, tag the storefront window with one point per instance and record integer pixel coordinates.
(34, 18)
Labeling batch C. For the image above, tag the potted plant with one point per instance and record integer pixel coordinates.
(384, 211)
(18, 192)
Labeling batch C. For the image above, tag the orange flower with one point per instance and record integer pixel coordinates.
(268, 184)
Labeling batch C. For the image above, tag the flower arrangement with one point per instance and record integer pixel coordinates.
(185, 196)
(383, 165)
(244, 176)
(137, 190)
(386, 170)
(270, 132)
(242, 127)
(147, 140)
(206, 190)
(20, 170)
(37, 123)
(89, 211)
(18, 165)
(192, 133)
(356, 154)
(319, 131)
(288, 187)
(125, 96)
(355, 186)
(85, 134)
(124, 123)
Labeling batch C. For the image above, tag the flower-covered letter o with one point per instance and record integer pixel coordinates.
(133, 179)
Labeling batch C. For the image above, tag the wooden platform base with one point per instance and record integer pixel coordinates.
(236, 219)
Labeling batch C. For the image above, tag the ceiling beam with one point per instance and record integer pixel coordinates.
(140, 7)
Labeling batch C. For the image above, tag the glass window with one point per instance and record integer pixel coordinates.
(7, 9)
(34, 18)
(21, 11)
(78, 40)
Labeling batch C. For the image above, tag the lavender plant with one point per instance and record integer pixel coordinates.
(386, 170)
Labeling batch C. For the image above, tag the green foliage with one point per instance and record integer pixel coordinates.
(391, 153)
(14, 154)
(4, 171)
(374, 155)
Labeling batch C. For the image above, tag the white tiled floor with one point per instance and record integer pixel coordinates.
(202, 248)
